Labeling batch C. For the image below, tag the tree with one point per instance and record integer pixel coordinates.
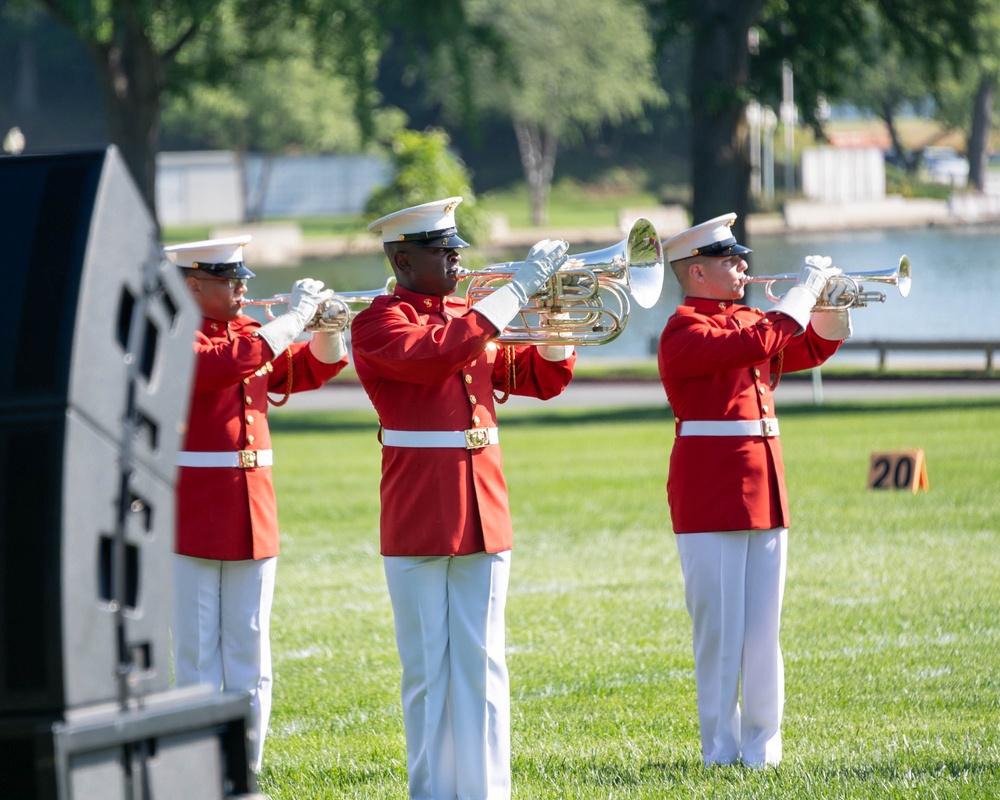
(136, 46)
(292, 102)
(719, 92)
(815, 35)
(965, 99)
(562, 69)
(133, 44)
(885, 83)
(425, 170)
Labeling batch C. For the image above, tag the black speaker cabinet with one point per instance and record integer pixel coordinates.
(185, 744)
(94, 383)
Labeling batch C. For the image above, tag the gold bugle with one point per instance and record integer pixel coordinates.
(587, 300)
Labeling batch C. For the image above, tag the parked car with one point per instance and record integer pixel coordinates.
(942, 164)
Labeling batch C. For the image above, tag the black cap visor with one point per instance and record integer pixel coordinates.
(448, 238)
(234, 269)
(722, 249)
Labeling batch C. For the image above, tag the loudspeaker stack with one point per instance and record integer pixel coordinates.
(95, 373)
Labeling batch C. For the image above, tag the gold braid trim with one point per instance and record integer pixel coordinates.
(510, 374)
(777, 374)
(288, 383)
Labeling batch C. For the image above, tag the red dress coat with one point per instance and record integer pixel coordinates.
(228, 513)
(715, 360)
(429, 364)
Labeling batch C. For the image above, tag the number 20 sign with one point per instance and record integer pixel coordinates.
(900, 469)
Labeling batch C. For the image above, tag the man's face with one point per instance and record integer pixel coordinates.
(427, 270)
(218, 298)
(718, 277)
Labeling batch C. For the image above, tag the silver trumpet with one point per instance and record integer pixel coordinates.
(587, 301)
(335, 310)
(854, 294)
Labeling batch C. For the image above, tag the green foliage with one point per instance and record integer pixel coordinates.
(899, 181)
(890, 633)
(565, 66)
(425, 169)
(829, 41)
(273, 106)
(561, 72)
(571, 204)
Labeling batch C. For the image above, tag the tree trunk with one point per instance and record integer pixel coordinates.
(538, 147)
(888, 115)
(131, 81)
(979, 136)
(720, 159)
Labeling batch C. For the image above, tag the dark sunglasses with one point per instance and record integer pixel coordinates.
(233, 282)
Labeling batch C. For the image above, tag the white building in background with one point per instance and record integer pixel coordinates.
(199, 188)
(843, 174)
(221, 188)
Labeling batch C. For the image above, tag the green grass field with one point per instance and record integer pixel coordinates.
(891, 629)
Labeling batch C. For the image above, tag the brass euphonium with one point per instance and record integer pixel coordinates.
(335, 310)
(587, 300)
(854, 295)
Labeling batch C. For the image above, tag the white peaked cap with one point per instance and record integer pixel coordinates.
(215, 256)
(428, 225)
(711, 238)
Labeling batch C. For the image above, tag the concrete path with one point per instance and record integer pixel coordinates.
(348, 395)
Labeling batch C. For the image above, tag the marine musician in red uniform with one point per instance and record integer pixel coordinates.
(227, 522)
(431, 365)
(719, 362)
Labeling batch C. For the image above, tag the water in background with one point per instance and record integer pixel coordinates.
(956, 276)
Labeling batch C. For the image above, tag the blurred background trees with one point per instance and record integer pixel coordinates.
(655, 90)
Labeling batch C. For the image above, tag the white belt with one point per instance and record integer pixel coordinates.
(243, 459)
(730, 427)
(472, 439)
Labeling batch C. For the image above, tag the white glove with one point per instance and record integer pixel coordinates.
(306, 297)
(501, 306)
(815, 272)
(328, 347)
(833, 325)
(798, 301)
(555, 352)
(834, 291)
(302, 305)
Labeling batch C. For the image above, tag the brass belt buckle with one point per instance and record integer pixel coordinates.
(476, 438)
(248, 459)
(769, 427)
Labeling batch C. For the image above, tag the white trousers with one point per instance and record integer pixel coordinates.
(734, 583)
(449, 617)
(221, 632)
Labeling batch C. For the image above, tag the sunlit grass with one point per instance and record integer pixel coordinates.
(891, 633)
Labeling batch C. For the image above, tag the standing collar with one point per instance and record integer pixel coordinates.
(427, 303)
(708, 306)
